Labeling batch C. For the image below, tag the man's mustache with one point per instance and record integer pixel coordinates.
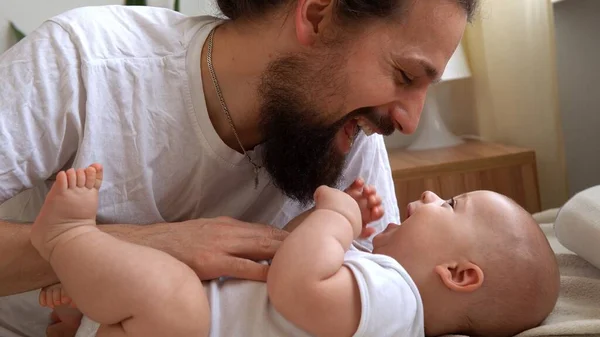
(382, 123)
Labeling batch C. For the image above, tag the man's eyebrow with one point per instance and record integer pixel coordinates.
(432, 73)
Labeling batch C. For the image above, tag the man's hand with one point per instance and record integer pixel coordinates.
(215, 247)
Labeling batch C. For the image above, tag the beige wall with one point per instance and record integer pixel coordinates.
(28, 14)
(512, 52)
(578, 50)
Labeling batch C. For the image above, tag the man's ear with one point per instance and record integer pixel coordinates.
(311, 16)
(460, 276)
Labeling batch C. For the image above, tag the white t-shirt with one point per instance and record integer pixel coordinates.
(390, 304)
(121, 86)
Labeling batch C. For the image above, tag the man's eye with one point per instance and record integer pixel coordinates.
(406, 79)
(402, 78)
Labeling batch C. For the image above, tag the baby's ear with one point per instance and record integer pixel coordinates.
(460, 276)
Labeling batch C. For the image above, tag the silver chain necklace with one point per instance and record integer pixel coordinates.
(224, 106)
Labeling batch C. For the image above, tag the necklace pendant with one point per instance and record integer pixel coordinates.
(256, 171)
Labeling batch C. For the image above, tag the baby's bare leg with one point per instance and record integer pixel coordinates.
(131, 290)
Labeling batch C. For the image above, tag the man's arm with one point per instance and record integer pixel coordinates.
(307, 281)
(22, 268)
(211, 247)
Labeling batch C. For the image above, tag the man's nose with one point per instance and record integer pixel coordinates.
(428, 197)
(406, 117)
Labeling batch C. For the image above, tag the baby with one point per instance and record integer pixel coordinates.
(477, 264)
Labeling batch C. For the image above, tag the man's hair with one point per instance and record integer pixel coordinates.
(348, 10)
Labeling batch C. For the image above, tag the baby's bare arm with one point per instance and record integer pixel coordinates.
(369, 204)
(295, 222)
(307, 282)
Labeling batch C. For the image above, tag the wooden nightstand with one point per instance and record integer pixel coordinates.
(473, 165)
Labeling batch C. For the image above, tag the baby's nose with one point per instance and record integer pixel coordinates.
(390, 227)
(429, 197)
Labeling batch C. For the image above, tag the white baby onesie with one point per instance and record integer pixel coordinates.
(391, 304)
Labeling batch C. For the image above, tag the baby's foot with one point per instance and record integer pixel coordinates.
(369, 203)
(54, 296)
(339, 202)
(69, 209)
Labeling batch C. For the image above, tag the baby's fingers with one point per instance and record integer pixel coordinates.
(366, 232)
(65, 299)
(56, 296)
(376, 213)
(369, 191)
(48, 297)
(42, 298)
(357, 185)
(373, 200)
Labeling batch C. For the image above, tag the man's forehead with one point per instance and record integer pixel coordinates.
(430, 32)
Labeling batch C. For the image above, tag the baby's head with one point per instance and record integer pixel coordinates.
(481, 263)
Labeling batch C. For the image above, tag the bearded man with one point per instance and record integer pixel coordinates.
(256, 111)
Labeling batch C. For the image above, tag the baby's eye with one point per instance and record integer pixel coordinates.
(452, 202)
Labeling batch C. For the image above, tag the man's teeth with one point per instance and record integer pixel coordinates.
(366, 129)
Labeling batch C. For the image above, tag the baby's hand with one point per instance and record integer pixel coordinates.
(369, 202)
(54, 296)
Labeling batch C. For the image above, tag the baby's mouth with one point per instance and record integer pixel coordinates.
(409, 210)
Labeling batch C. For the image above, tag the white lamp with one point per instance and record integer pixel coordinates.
(433, 133)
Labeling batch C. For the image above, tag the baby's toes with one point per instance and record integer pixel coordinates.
(80, 175)
(90, 177)
(71, 178)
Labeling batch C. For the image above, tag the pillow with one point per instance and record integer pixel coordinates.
(577, 225)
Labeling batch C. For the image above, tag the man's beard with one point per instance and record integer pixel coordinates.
(300, 151)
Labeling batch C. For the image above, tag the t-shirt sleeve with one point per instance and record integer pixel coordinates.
(369, 160)
(390, 302)
(41, 108)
